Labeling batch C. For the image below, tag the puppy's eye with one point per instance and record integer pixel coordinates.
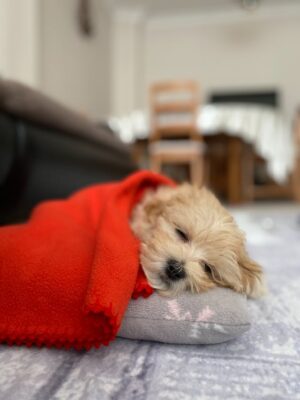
(182, 235)
(207, 268)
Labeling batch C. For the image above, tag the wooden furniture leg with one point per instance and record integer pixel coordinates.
(296, 178)
(196, 168)
(296, 173)
(234, 181)
(137, 151)
(247, 183)
(156, 164)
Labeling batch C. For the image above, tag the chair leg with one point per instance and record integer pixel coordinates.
(196, 167)
(206, 171)
(155, 164)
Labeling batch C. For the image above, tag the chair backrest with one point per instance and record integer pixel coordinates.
(173, 108)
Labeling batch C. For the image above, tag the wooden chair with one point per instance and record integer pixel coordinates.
(171, 141)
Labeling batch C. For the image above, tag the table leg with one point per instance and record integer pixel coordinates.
(247, 165)
(234, 181)
(296, 179)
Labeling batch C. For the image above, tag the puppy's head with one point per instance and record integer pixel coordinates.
(190, 242)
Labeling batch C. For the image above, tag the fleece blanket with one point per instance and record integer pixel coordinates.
(67, 275)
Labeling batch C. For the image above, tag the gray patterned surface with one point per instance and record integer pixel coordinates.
(262, 364)
(215, 316)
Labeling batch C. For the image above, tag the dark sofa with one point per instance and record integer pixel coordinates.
(48, 151)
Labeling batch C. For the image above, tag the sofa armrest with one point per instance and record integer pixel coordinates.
(28, 104)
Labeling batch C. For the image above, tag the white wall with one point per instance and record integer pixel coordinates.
(220, 50)
(74, 68)
(110, 72)
(19, 40)
(228, 53)
(127, 52)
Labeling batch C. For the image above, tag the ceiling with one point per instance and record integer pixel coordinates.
(173, 7)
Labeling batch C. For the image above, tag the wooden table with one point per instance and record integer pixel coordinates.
(229, 170)
(225, 165)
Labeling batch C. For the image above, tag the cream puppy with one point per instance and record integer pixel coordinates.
(189, 241)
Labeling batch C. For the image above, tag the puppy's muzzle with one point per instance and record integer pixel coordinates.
(175, 270)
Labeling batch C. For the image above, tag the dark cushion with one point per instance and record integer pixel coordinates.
(48, 151)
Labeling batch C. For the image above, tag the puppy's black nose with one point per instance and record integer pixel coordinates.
(175, 270)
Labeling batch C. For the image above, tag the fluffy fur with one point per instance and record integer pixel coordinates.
(191, 228)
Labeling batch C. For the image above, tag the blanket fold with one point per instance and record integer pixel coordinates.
(67, 275)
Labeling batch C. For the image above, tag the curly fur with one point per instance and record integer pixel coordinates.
(214, 253)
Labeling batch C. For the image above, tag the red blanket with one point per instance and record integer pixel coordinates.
(67, 275)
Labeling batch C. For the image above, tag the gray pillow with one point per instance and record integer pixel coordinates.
(215, 316)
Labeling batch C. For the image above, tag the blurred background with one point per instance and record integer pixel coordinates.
(203, 90)
(206, 91)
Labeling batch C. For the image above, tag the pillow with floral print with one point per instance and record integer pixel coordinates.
(215, 316)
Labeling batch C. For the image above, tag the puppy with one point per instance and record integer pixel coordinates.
(189, 242)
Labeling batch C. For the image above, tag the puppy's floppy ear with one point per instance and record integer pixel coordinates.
(146, 213)
(251, 276)
(153, 209)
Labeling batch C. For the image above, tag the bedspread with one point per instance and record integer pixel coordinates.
(255, 124)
